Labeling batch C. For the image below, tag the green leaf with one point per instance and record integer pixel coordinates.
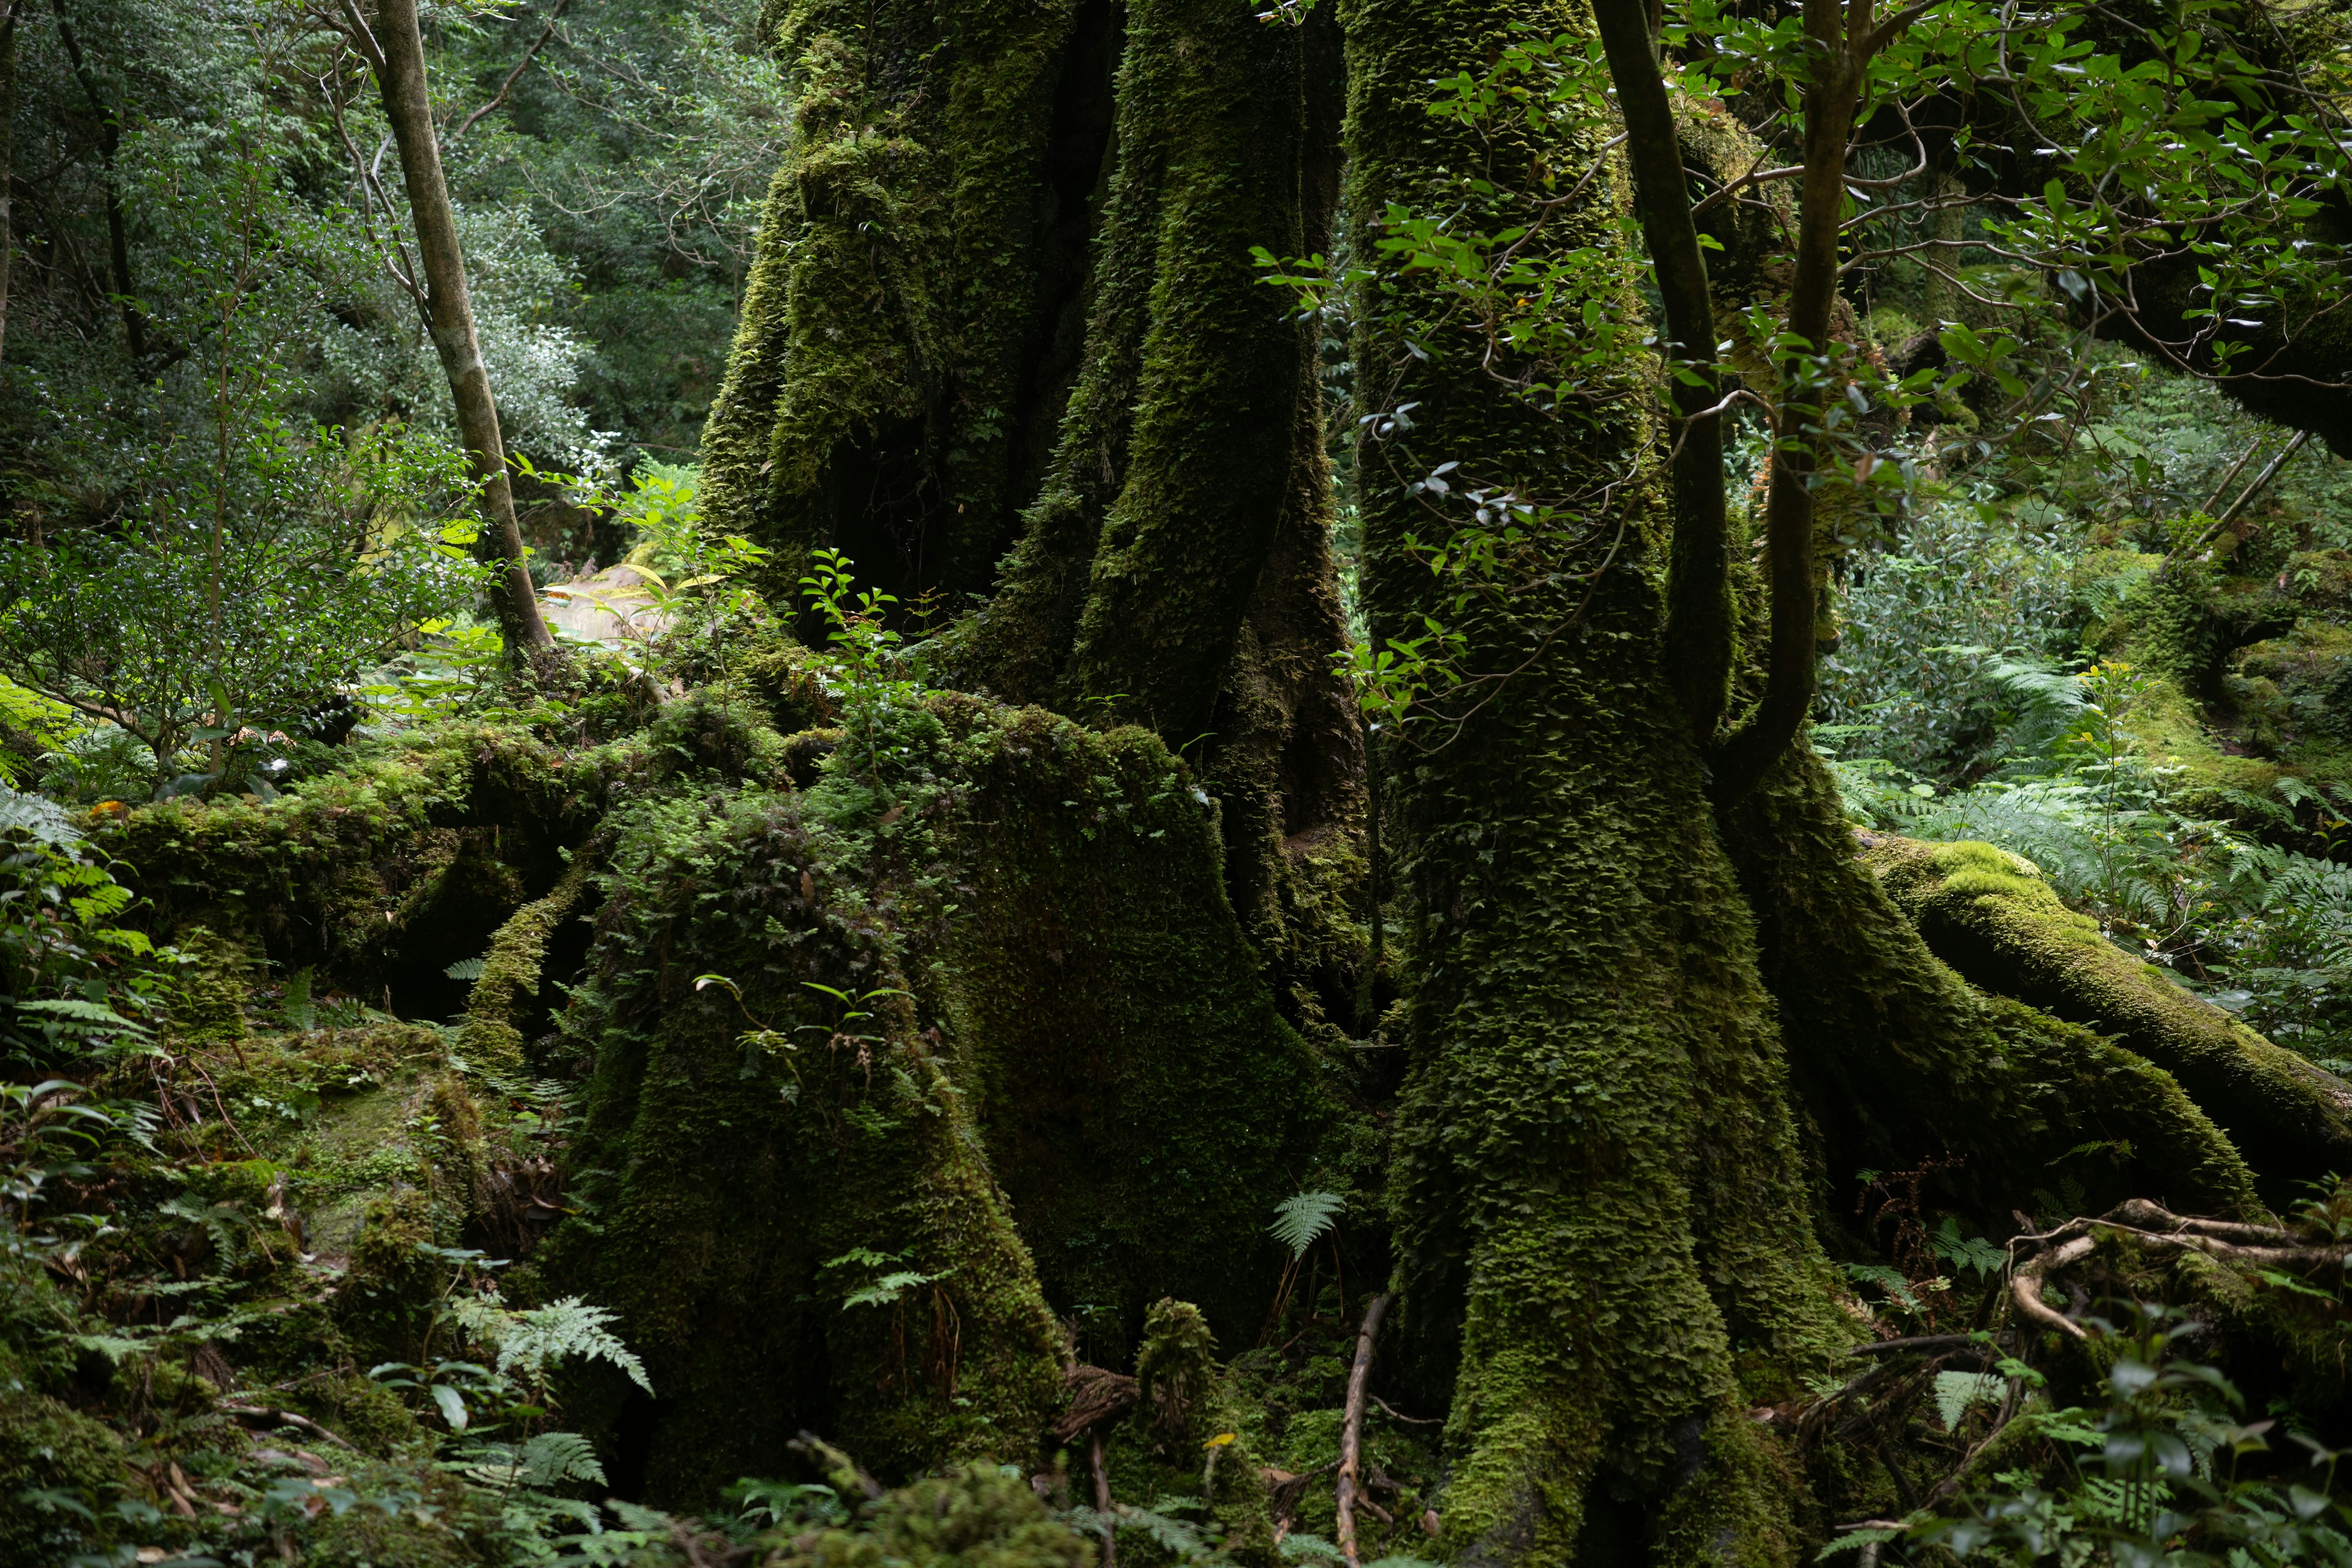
(1299, 1222)
(452, 1405)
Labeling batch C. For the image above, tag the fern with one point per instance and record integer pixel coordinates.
(1891, 1280)
(556, 1459)
(467, 968)
(531, 1341)
(1955, 1391)
(43, 821)
(1971, 1252)
(1301, 1221)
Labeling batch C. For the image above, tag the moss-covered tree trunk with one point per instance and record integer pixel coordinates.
(1634, 1025)
(1004, 299)
(1600, 1208)
(916, 1021)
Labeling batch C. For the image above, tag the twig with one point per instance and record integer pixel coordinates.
(1351, 1427)
(522, 66)
(1916, 1342)
(2235, 470)
(1396, 1415)
(2269, 473)
(1102, 1500)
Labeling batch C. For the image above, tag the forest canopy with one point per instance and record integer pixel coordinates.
(1208, 783)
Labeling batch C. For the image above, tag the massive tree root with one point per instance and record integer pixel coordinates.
(1989, 915)
(1897, 1059)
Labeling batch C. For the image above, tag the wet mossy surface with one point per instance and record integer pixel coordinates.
(1989, 915)
(1897, 1059)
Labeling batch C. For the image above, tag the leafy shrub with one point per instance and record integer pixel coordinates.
(1909, 667)
(237, 586)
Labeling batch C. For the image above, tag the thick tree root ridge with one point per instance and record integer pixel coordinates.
(1899, 1060)
(1990, 916)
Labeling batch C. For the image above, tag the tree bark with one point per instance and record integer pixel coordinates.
(110, 143)
(1699, 611)
(1839, 46)
(1897, 1061)
(1992, 918)
(1599, 1204)
(7, 159)
(1192, 419)
(911, 320)
(395, 51)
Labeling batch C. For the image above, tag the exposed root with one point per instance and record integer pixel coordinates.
(263, 1420)
(1096, 1395)
(2250, 1246)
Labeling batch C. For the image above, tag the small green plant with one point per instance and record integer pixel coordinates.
(2157, 1473)
(857, 620)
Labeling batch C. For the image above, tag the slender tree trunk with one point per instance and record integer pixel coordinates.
(396, 52)
(1700, 615)
(110, 142)
(7, 158)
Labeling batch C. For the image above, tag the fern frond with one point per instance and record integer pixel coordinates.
(1301, 1221)
(533, 1341)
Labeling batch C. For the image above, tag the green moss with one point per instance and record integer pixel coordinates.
(491, 1037)
(1600, 1211)
(976, 1517)
(209, 992)
(1021, 1013)
(741, 1193)
(895, 301)
(1142, 1100)
(1184, 442)
(1991, 917)
(391, 1282)
(345, 874)
(1173, 1367)
(1897, 1059)
(1193, 1460)
(448, 1526)
(45, 1446)
(365, 1410)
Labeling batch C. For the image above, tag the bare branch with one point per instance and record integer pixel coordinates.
(515, 75)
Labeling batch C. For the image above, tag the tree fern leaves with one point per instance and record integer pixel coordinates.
(1301, 1221)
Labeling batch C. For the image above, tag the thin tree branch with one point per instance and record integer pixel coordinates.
(1698, 574)
(513, 76)
(1352, 1423)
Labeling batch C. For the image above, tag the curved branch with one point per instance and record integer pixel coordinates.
(1698, 574)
